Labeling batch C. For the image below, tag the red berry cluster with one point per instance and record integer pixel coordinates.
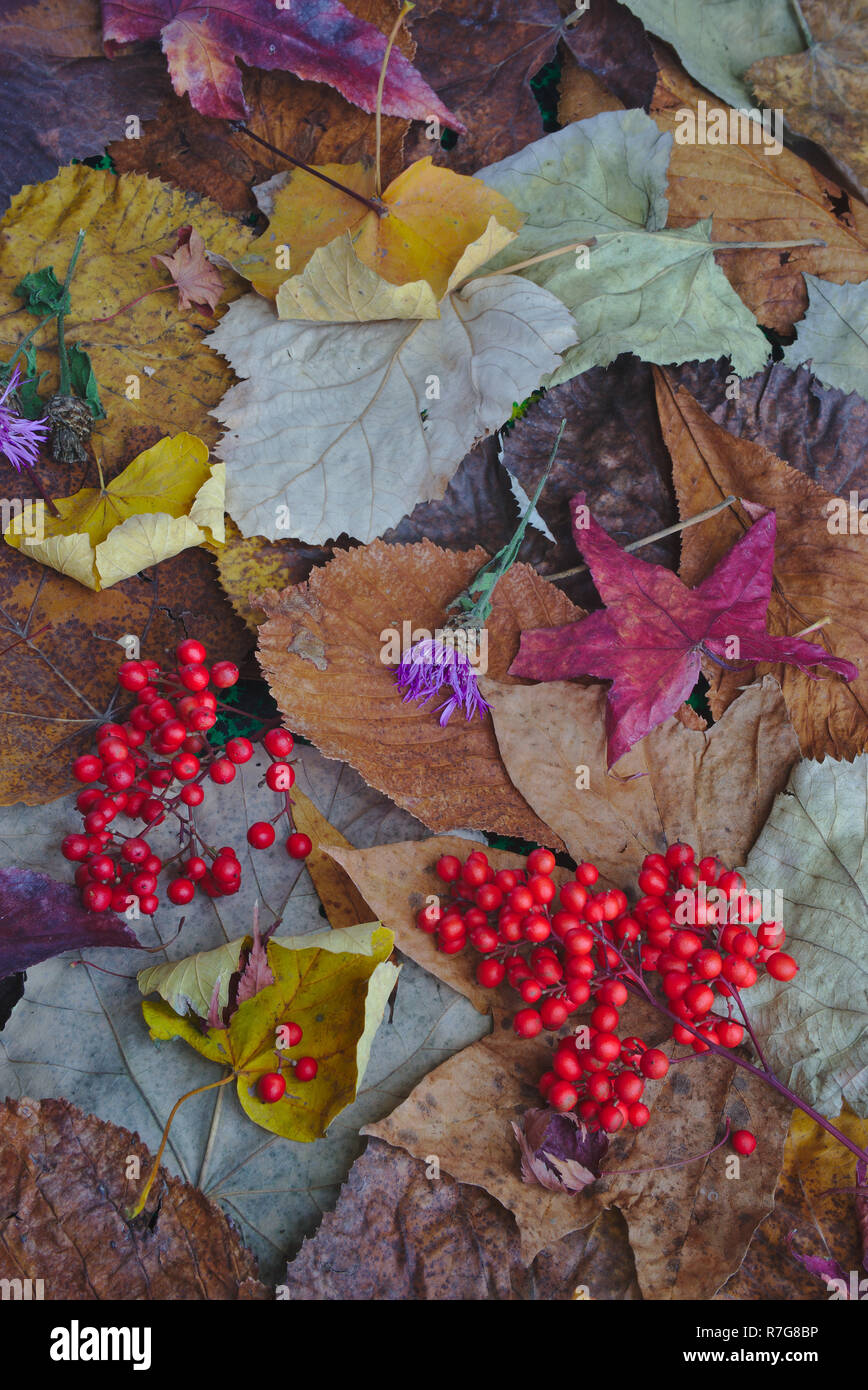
(135, 773)
(558, 955)
(271, 1086)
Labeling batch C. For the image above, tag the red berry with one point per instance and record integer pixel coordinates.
(553, 1013)
(192, 796)
(190, 651)
(638, 1115)
(729, 1034)
(224, 674)
(745, 945)
(185, 766)
(574, 896)
(530, 991)
(739, 972)
(707, 964)
(653, 882)
(613, 992)
(743, 1141)
(97, 897)
(180, 891)
(221, 771)
(578, 992)
(87, 768)
(606, 1047)
(261, 834)
(74, 847)
(240, 750)
(699, 999)
(279, 777)
(567, 1066)
(294, 1033)
(628, 1087)
(490, 973)
(562, 1096)
(781, 966)
(611, 1118)
(299, 846)
(270, 1087)
(542, 888)
(132, 676)
(654, 1064)
(527, 1023)
(600, 1088)
(305, 1069)
(448, 867)
(605, 1018)
(195, 868)
(586, 874)
(280, 744)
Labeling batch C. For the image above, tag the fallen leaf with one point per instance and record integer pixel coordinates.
(288, 443)
(325, 43)
(342, 904)
(811, 850)
(40, 917)
(649, 637)
(642, 289)
(309, 120)
(719, 54)
(274, 1189)
(818, 570)
(398, 1233)
(824, 88)
(833, 335)
(437, 228)
(152, 348)
(823, 433)
(557, 1151)
(480, 57)
(166, 500)
(711, 789)
(198, 281)
(809, 1216)
(63, 1176)
(248, 564)
(51, 53)
(322, 652)
(755, 195)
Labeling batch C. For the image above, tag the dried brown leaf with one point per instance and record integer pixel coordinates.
(63, 1191)
(321, 654)
(817, 573)
(343, 905)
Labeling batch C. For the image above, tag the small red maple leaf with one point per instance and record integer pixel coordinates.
(649, 638)
(198, 281)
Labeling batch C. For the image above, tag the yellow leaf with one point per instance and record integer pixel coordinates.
(336, 287)
(438, 227)
(167, 499)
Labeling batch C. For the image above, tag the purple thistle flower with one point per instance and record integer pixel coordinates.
(20, 439)
(435, 662)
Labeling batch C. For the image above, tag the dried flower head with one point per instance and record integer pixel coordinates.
(20, 439)
(442, 661)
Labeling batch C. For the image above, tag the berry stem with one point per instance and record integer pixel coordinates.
(65, 386)
(678, 1163)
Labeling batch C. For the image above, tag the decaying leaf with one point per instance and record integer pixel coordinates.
(820, 567)
(719, 54)
(649, 637)
(166, 500)
(712, 789)
(342, 904)
(757, 192)
(557, 1151)
(155, 374)
(249, 564)
(64, 1179)
(198, 281)
(812, 852)
(437, 229)
(641, 289)
(417, 396)
(330, 650)
(40, 918)
(335, 985)
(823, 89)
(833, 335)
(323, 42)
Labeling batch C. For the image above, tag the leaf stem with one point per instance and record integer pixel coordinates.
(532, 260)
(372, 205)
(378, 108)
(656, 536)
(124, 307)
(149, 1182)
(65, 387)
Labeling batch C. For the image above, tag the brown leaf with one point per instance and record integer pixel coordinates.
(480, 58)
(51, 55)
(310, 120)
(582, 94)
(824, 90)
(321, 654)
(63, 1190)
(398, 1234)
(713, 789)
(820, 431)
(816, 573)
(343, 905)
(396, 879)
(756, 196)
(247, 565)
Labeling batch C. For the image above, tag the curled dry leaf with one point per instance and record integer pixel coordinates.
(155, 374)
(557, 1151)
(820, 569)
(711, 789)
(198, 281)
(328, 653)
(417, 395)
(321, 42)
(342, 903)
(40, 918)
(824, 89)
(64, 1184)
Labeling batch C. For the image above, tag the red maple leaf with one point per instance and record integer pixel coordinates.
(649, 638)
(198, 281)
(318, 40)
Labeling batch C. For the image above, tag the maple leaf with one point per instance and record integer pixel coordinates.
(39, 918)
(198, 281)
(650, 637)
(320, 41)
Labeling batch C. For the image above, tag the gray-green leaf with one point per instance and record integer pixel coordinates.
(656, 293)
(833, 335)
(718, 40)
(813, 849)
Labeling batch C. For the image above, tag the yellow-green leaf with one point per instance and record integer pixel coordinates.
(167, 499)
